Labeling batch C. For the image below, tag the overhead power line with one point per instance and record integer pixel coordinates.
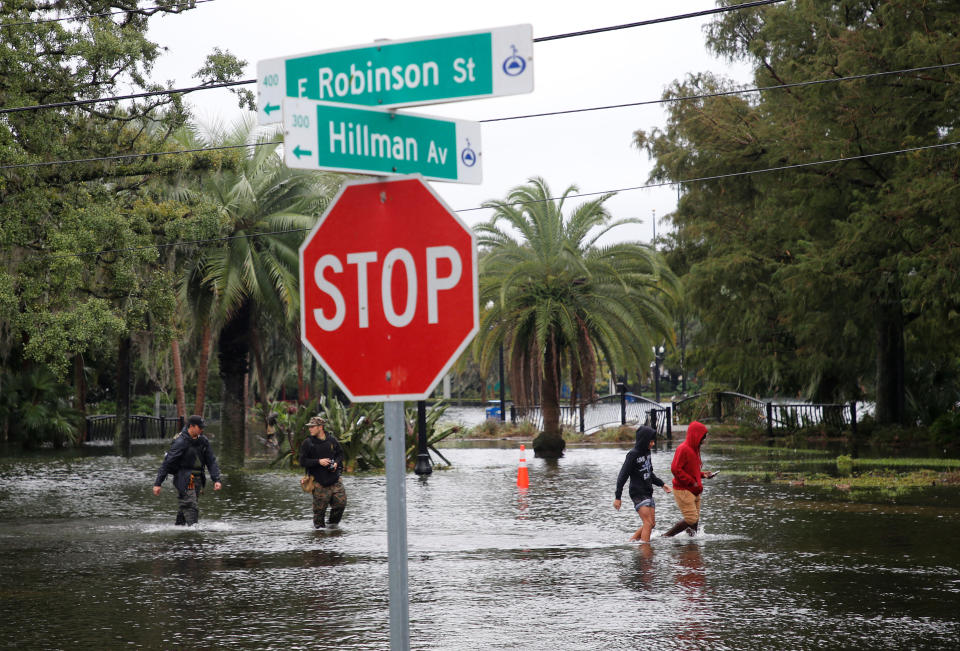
(520, 117)
(102, 14)
(758, 89)
(115, 98)
(698, 179)
(656, 21)
(100, 159)
(723, 93)
(765, 170)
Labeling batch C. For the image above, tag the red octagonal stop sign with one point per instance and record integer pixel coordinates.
(388, 289)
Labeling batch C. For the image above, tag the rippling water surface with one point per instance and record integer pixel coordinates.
(90, 558)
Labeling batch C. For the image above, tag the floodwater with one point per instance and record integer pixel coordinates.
(89, 558)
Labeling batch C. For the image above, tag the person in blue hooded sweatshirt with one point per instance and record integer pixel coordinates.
(639, 469)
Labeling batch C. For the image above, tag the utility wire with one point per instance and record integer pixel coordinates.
(758, 89)
(516, 117)
(81, 102)
(100, 15)
(655, 21)
(116, 98)
(716, 177)
(515, 203)
(146, 155)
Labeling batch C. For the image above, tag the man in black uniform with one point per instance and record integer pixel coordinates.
(322, 456)
(189, 455)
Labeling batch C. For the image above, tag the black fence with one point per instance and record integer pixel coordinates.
(726, 406)
(102, 428)
(614, 409)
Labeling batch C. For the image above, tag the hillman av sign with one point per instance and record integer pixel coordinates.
(413, 72)
(324, 136)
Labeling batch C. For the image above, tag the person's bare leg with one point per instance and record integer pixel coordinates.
(647, 516)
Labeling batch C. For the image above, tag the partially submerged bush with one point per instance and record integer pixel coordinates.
(844, 465)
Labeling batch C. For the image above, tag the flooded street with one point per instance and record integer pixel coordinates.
(91, 559)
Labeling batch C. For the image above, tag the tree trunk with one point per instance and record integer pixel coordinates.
(233, 354)
(549, 444)
(80, 391)
(891, 396)
(302, 396)
(122, 431)
(255, 346)
(203, 369)
(178, 381)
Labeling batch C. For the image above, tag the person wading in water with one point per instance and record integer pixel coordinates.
(687, 469)
(322, 456)
(638, 467)
(189, 455)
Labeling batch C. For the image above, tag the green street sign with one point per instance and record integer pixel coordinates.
(359, 140)
(413, 72)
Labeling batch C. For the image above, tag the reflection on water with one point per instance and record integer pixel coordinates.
(90, 558)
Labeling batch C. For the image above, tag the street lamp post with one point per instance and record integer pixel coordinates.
(503, 402)
(658, 354)
(622, 389)
(423, 465)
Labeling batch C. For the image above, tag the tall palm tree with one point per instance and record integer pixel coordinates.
(251, 275)
(561, 303)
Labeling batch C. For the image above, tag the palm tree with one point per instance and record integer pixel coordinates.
(560, 303)
(251, 276)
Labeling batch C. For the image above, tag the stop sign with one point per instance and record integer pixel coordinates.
(388, 289)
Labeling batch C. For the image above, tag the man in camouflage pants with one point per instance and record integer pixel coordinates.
(322, 456)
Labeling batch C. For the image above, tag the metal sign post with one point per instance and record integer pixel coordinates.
(395, 427)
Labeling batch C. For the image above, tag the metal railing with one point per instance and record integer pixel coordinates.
(723, 406)
(613, 409)
(102, 428)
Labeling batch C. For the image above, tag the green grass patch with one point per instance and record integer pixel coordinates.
(915, 462)
(765, 450)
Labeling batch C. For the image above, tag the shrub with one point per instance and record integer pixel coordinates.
(946, 429)
(36, 409)
(844, 465)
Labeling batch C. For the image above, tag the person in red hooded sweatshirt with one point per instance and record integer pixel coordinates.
(687, 469)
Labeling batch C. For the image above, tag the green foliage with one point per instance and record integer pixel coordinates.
(844, 465)
(77, 266)
(815, 280)
(561, 304)
(359, 428)
(222, 66)
(247, 284)
(492, 428)
(35, 409)
(435, 433)
(289, 423)
(946, 429)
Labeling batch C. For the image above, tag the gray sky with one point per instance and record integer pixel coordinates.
(591, 150)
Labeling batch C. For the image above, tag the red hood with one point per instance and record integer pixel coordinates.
(696, 432)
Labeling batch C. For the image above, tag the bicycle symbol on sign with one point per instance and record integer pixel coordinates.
(514, 65)
(468, 155)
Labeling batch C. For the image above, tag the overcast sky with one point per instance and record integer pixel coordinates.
(591, 150)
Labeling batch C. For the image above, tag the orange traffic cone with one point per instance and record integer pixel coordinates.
(523, 478)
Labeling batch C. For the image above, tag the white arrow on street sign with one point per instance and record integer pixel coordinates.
(412, 72)
(360, 140)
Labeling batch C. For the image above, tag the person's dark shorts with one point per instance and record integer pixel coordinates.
(643, 501)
